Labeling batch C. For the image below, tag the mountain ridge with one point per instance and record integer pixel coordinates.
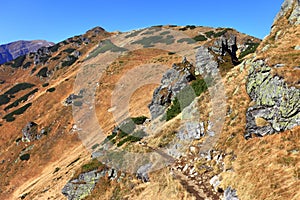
(18, 48)
(53, 148)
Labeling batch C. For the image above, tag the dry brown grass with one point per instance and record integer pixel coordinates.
(282, 41)
(162, 186)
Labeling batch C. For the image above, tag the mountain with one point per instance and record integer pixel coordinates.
(13, 50)
(168, 112)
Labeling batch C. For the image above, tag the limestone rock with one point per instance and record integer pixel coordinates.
(82, 186)
(230, 194)
(142, 172)
(276, 103)
(173, 81)
(30, 132)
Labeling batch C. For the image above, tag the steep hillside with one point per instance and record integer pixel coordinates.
(13, 50)
(171, 112)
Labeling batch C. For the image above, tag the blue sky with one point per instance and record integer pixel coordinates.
(56, 20)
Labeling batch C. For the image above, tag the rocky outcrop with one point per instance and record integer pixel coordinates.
(82, 186)
(277, 106)
(142, 172)
(30, 132)
(230, 194)
(13, 50)
(294, 17)
(227, 44)
(173, 81)
(205, 63)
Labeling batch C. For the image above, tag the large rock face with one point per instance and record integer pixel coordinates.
(277, 106)
(173, 81)
(82, 186)
(287, 5)
(13, 50)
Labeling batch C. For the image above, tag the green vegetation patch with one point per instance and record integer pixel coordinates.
(27, 65)
(209, 34)
(70, 61)
(18, 61)
(133, 34)
(4, 99)
(139, 120)
(250, 49)
(94, 164)
(25, 157)
(54, 48)
(105, 46)
(200, 38)
(185, 97)
(135, 137)
(19, 87)
(10, 117)
(152, 40)
(45, 84)
(51, 89)
(187, 40)
(43, 72)
(69, 50)
(22, 99)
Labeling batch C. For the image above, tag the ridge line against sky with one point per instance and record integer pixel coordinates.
(57, 20)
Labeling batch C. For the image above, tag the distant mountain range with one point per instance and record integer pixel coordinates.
(13, 50)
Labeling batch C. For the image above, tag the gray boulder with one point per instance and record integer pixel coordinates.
(230, 194)
(142, 172)
(276, 102)
(173, 81)
(30, 132)
(82, 186)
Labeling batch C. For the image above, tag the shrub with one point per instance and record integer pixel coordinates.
(44, 59)
(110, 137)
(127, 126)
(250, 49)
(199, 86)
(173, 110)
(151, 40)
(23, 98)
(135, 137)
(105, 46)
(183, 29)
(69, 62)
(135, 33)
(191, 26)
(187, 40)
(200, 38)
(10, 116)
(18, 61)
(51, 89)
(54, 48)
(17, 112)
(27, 65)
(139, 120)
(19, 87)
(77, 103)
(43, 72)
(185, 97)
(45, 84)
(69, 50)
(220, 33)
(4, 99)
(209, 34)
(25, 157)
(92, 165)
